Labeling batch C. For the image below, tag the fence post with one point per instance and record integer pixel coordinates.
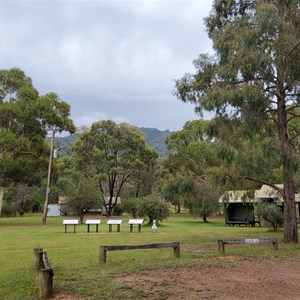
(102, 256)
(275, 244)
(38, 258)
(221, 247)
(176, 251)
(44, 273)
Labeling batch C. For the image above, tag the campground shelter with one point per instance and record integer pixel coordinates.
(239, 205)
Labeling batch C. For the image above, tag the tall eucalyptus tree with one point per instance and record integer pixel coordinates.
(254, 77)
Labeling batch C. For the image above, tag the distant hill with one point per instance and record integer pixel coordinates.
(155, 138)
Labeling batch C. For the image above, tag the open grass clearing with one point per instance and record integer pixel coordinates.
(74, 257)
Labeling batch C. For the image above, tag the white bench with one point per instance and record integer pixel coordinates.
(70, 222)
(92, 222)
(114, 222)
(138, 222)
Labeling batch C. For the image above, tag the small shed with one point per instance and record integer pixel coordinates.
(238, 207)
(53, 210)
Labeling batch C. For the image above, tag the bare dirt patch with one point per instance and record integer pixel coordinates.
(237, 279)
(226, 278)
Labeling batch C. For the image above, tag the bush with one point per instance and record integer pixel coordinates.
(271, 213)
(117, 211)
(8, 209)
(130, 205)
(153, 208)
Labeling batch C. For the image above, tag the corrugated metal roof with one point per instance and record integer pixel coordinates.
(266, 192)
(239, 196)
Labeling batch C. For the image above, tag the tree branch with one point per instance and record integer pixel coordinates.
(258, 180)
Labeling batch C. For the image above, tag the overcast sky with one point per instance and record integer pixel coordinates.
(109, 59)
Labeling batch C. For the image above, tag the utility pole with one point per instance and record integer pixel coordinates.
(45, 211)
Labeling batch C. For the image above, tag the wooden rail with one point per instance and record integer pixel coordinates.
(222, 243)
(104, 249)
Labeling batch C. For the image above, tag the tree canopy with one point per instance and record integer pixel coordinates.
(253, 79)
(111, 154)
(191, 166)
(26, 118)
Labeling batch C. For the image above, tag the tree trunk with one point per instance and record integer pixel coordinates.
(204, 218)
(290, 220)
(81, 217)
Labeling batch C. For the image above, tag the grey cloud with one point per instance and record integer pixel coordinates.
(115, 58)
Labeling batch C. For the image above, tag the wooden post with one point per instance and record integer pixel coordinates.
(275, 244)
(176, 251)
(131, 227)
(44, 273)
(102, 256)
(45, 283)
(38, 258)
(221, 247)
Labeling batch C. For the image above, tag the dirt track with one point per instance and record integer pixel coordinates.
(242, 279)
(236, 278)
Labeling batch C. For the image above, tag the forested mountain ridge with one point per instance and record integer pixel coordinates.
(155, 138)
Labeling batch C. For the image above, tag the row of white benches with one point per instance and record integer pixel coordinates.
(110, 223)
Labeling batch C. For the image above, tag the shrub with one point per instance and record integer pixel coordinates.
(153, 208)
(130, 205)
(271, 213)
(118, 211)
(8, 209)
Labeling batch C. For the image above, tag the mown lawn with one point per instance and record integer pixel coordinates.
(75, 257)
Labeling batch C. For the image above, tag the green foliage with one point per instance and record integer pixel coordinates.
(18, 199)
(8, 208)
(154, 208)
(202, 200)
(130, 205)
(271, 213)
(192, 169)
(37, 198)
(26, 117)
(82, 195)
(253, 79)
(111, 155)
(155, 138)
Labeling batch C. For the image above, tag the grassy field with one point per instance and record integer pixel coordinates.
(74, 257)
